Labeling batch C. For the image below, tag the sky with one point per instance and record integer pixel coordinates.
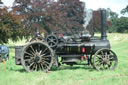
(114, 5)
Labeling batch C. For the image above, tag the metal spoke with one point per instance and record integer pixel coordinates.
(47, 56)
(31, 64)
(106, 54)
(42, 55)
(46, 59)
(54, 43)
(36, 67)
(27, 56)
(98, 61)
(28, 53)
(46, 65)
(32, 53)
(32, 68)
(42, 66)
(39, 66)
(39, 47)
(104, 66)
(99, 56)
(102, 53)
(36, 50)
(48, 39)
(46, 62)
(111, 59)
(51, 44)
(27, 60)
(44, 50)
(99, 65)
(40, 52)
(32, 49)
(54, 39)
(109, 64)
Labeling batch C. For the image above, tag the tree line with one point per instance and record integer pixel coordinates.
(26, 17)
(118, 24)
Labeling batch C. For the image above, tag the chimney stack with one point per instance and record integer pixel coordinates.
(103, 24)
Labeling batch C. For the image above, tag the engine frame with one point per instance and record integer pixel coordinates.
(70, 49)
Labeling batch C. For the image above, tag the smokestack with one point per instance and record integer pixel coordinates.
(103, 25)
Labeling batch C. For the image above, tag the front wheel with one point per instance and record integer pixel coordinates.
(105, 59)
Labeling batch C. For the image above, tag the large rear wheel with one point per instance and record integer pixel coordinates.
(37, 56)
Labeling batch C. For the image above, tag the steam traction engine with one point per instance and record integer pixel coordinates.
(41, 54)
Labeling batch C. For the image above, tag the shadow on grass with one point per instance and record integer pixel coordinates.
(66, 67)
(20, 70)
(62, 67)
(88, 68)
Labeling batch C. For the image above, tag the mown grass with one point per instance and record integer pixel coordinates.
(66, 75)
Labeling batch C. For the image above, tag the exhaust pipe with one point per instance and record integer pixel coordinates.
(103, 25)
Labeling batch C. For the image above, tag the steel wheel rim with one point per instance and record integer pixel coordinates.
(36, 39)
(105, 59)
(35, 57)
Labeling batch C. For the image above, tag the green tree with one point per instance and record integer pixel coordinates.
(118, 24)
(122, 25)
(10, 24)
(112, 18)
(125, 10)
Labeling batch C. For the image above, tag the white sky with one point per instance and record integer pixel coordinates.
(114, 5)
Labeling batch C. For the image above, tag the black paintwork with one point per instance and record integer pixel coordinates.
(70, 48)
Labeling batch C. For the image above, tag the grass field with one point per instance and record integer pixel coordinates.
(66, 75)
